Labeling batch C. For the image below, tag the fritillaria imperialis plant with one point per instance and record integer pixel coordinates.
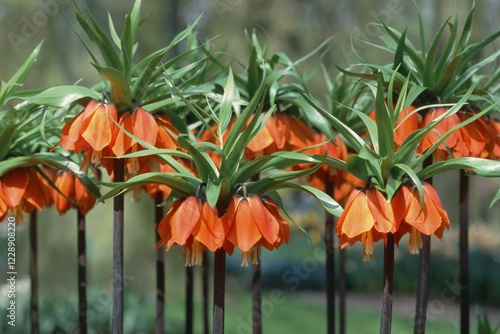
(216, 147)
(422, 111)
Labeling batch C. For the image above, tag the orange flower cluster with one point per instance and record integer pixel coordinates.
(23, 190)
(407, 122)
(72, 193)
(480, 138)
(95, 133)
(283, 132)
(368, 217)
(248, 223)
(343, 182)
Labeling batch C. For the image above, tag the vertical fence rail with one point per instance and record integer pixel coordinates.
(82, 273)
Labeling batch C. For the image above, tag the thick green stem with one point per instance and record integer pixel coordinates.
(330, 264)
(35, 327)
(118, 271)
(82, 273)
(342, 292)
(219, 290)
(256, 299)
(464, 254)
(422, 286)
(205, 274)
(160, 270)
(424, 261)
(387, 293)
(189, 300)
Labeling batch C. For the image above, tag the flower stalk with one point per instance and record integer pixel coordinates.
(82, 273)
(330, 263)
(35, 326)
(424, 261)
(219, 291)
(160, 269)
(464, 252)
(118, 271)
(388, 287)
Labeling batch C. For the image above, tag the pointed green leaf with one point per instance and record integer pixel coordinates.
(495, 199)
(174, 181)
(6, 138)
(62, 96)
(226, 105)
(120, 94)
(482, 167)
(8, 89)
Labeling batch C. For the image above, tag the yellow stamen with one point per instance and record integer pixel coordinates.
(415, 241)
(85, 164)
(244, 259)
(96, 158)
(197, 256)
(367, 241)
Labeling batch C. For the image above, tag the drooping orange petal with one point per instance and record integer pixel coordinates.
(268, 225)
(37, 193)
(381, 211)
(244, 232)
(284, 232)
(144, 126)
(278, 128)
(184, 220)
(65, 182)
(85, 199)
(431, 193)
(98, 132)
(165, 228)
(3, 204)
(14, 186)
(262, 140)
(299, 134)
(210, 231)
(75, 125)
(407, 123)
(122, 142)
(356, 217)
(439, 130)
(427, 220)
(164, 138)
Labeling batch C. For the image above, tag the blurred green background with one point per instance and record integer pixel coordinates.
(294, 27)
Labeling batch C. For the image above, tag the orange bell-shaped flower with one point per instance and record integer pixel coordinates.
(367, 217)
(455, 141)
(407, 122)
(194, 224)
(140, 124)
(23, 190)
(91, 131)
(334, 148)
(251, 222)
(74, 193)
(417, 220)
(283, 132)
